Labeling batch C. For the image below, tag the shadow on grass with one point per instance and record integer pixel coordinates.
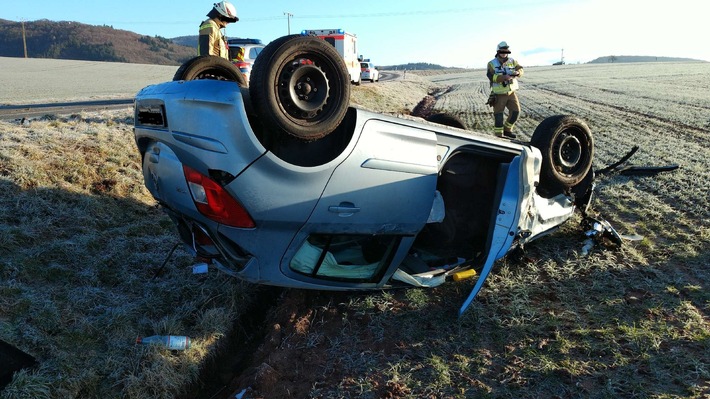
(610, 329)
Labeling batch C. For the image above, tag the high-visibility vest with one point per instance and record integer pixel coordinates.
(508, 68)
(211, 35)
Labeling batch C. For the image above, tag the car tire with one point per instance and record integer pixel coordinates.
(567, 149)
(300, 85)
(446, 120)
(210, 67)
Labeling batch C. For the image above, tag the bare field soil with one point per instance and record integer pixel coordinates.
(82, 243)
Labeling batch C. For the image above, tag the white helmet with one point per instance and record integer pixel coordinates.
(227, 10)
(503, 48)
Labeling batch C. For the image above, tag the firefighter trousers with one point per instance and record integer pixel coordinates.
(503, 101)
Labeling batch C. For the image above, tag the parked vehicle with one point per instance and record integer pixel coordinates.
(249, 48)
(345, 44)
(369, 72)
(293, 187)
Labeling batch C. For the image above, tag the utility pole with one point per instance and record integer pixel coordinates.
(24, 40)
(288, 18)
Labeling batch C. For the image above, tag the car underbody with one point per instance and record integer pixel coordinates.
(280, 188)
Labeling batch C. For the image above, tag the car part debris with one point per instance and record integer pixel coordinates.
(601, 231)
(629, 170)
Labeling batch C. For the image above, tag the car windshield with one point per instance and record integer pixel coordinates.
(255, 52)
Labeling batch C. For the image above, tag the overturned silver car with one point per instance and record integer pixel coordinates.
(285, 183)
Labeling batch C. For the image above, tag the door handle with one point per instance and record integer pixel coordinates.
(345, 209)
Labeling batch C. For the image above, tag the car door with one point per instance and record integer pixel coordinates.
(506, 217)
(374, 204)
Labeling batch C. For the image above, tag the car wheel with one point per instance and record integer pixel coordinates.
(210, 67)
(447, 120)
(567, 149)
(300, 85)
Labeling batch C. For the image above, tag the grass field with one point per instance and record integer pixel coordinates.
(82, 241)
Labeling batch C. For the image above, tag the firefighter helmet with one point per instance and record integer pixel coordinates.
(503, 48)
(227, 10)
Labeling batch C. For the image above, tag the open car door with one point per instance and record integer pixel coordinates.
(505, 219)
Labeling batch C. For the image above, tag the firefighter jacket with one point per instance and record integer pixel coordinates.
(211, 41)
(496, 69)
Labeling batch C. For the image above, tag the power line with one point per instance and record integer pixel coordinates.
(288, 17)
(428, 12)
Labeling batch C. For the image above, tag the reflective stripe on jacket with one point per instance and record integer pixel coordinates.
(496, 69)
(211, 41)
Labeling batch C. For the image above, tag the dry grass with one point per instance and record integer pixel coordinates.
(81, 239)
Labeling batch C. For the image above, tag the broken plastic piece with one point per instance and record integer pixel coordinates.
(588, 245)
(464, 274)
(200, 268)
(600, 230)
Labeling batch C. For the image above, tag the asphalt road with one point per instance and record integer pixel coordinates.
(15, 112)
(385, 76)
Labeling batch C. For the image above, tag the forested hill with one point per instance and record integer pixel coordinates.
(76, 41)
(413, 66)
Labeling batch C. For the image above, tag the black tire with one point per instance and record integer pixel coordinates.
(567, 150)
(447, 120)
(210, 67)
(300, 85)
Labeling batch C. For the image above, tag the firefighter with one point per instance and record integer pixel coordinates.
(211, 41)
(502, 73)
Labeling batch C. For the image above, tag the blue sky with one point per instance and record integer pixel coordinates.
(461, 33)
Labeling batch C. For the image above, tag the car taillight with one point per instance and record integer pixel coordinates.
(214, 202)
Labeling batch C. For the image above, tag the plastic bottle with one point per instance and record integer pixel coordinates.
(172, 342)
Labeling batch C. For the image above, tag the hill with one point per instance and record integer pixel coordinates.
(413, 66)
(189, 41)
(638, 58)
(76, 41)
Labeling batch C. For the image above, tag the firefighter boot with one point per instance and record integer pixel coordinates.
(509, 135)
(508, 130)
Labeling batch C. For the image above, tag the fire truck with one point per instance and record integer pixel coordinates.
(346, 44)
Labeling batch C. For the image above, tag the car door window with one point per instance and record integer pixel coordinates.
(344, 256)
